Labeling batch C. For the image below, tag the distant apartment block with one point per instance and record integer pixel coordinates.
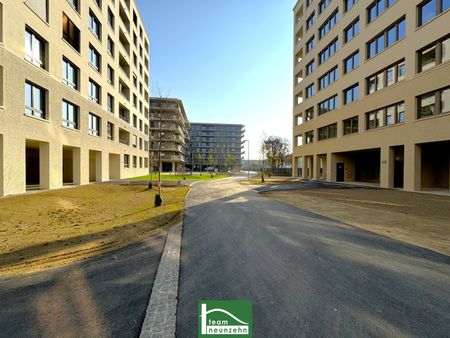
(216, 141)
(73, 93)
(168, 134)
(372, 92)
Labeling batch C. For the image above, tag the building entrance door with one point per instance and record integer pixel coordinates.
(340, 172)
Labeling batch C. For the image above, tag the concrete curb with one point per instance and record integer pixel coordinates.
(160, 317)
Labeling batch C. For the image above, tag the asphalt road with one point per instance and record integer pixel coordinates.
(307, 276)
(101, 297)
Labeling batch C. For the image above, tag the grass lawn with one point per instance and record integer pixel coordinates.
(178, 177)
(414, 218)
(61, 226)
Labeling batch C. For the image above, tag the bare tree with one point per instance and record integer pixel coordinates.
(277, 150)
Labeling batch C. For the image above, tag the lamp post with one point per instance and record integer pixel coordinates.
(248, 157)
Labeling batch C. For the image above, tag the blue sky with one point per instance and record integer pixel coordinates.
(230, 61)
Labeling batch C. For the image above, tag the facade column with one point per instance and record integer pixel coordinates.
(331, 167)
(304, 167)
(413, 167)
(294, 166)
(76, 155)
(84, 165)
(387, 167)
(316, 164)
(44, 165)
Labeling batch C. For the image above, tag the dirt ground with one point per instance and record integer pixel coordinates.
(272, 180)
(60, 226)
(419, 219)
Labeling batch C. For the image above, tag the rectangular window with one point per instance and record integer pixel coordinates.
(392, 34)
(351, 94)
(328, 78)
(351, 62)
(70, 74)
(386, 77)
(75, 4)
(327, 132)
(434, 103)
(323, 4)
(94, 58)
(427, 11)
(351, 125)
(134, 161)
(111, 19)
(348, 4)
(309, 137)
(434, 55)
(110, 75)
(110, 46)
(351, 31)
(310, 21)
(329, 24)
(35, 100)
(310, 90)
(377, 8)
(94, 125)
(71, 33)
(328, 51)
(310, 67)
(110, 103)
(328, 105)
(401, 112)
(126, 161)
(309, 114)
(94, 25)
(310, 45)
(69, 115)
(386, 116)
(94, 91)
(34, 48)
(110, 131)
(39, 7)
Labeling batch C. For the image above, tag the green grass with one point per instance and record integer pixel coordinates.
(187, 176)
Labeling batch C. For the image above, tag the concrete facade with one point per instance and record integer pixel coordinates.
(217, 140)
(41, 147)
(168, 134)
(389, 132)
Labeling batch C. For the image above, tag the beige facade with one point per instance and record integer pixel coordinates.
(168, 134)
(73, 93)
(393, 129)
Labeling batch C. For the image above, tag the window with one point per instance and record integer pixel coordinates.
(386, 77)
(71, 33)
(94, 25)
(110, 75)
(351, 62)
(427, 11)
(309, 137)
(310, 45)
(386, 116)
(110, 103)
(310, 67)
(309, 114)
(351, 125)
(110, 46)
(310, 90)
(377, 8)
(351, 31)
(126, 161)
(308, 2)
(434, 103)
(34, 48)
(75, 4)
(94, 125)
(69, 115)
(328, 78)
(348, 4)
(111, 19)
(94, 58)
(328, 132)
(110, 131)
(99, 3)
(329, 23)
(94, 91)
(328, 51)
(35, 100)
(310, 21)
(323, 4)
(40, 7)
(395, 32)
(328, 105)
(134, 161)
(69, 74)
(434, 55)
(134, 121)
(351, 94)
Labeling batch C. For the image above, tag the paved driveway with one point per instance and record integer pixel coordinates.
(307, 276)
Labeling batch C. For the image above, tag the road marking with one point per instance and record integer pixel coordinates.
(161, 314)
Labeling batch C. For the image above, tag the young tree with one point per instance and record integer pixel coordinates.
(199, 160)
(229, 161)
(212, 161)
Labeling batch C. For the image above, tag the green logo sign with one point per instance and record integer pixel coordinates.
(224, 318)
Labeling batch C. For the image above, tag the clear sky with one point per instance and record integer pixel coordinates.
(230, 61)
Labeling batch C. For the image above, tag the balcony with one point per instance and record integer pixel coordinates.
(124, 137)
(124, 18)
(124, 113)
(124, 90)
(123, 41)
(124, 66)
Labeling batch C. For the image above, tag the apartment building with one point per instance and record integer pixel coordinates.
(168, 134)
(372, 92)
(73, 93)
(220, 142)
